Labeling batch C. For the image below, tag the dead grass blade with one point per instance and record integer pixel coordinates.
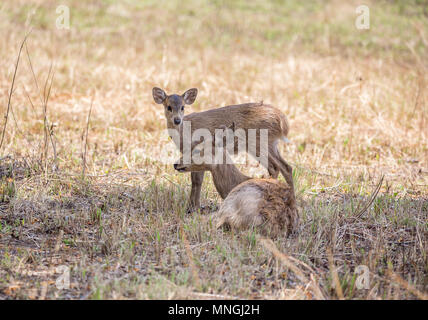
(46, 131)
(33, 74)
(285, 259)
(210, 296)
(86, 138)
(372, 198)
(404, 284)
(189, 254)
(12, 89)
(334, 275)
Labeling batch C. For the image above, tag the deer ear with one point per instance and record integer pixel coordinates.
(190, 95)
(158, 95)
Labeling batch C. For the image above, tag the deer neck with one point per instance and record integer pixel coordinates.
(226, 177)
(175, 133)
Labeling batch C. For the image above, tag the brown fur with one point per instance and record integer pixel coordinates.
(278, 206)
(275, 211)
(265, 203)
(225, 176)
(244, 116)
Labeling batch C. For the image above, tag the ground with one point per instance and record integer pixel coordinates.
(92, 200)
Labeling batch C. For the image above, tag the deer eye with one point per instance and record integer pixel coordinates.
(182, 108)
(169, 108)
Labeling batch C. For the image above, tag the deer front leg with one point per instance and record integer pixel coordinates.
(272, 168)
(286, 170)
(195, 195)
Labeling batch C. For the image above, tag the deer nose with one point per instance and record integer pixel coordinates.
(177, 121)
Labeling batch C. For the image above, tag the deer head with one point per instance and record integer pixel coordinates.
(174, 104)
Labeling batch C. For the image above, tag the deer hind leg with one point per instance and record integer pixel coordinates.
(195, 195)
(271, 167)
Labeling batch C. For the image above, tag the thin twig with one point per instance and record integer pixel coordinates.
(210, 296)
(47, 133)
(268, 244)
(51, 126)
(48, 128)
(403, 283)
(86, 137)
(369, 203)
(334, 275)
(189, 254)
(31, 102)
(11, 90)
(32, 72)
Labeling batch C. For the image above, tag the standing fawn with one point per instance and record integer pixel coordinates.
(265, 203)
(244, 116)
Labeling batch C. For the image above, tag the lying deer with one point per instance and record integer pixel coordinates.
(245, 116)
(265, 203)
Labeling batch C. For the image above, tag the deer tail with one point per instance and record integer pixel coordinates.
(284, 126)
(285, 139)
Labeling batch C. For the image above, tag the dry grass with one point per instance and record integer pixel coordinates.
(356, 101)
